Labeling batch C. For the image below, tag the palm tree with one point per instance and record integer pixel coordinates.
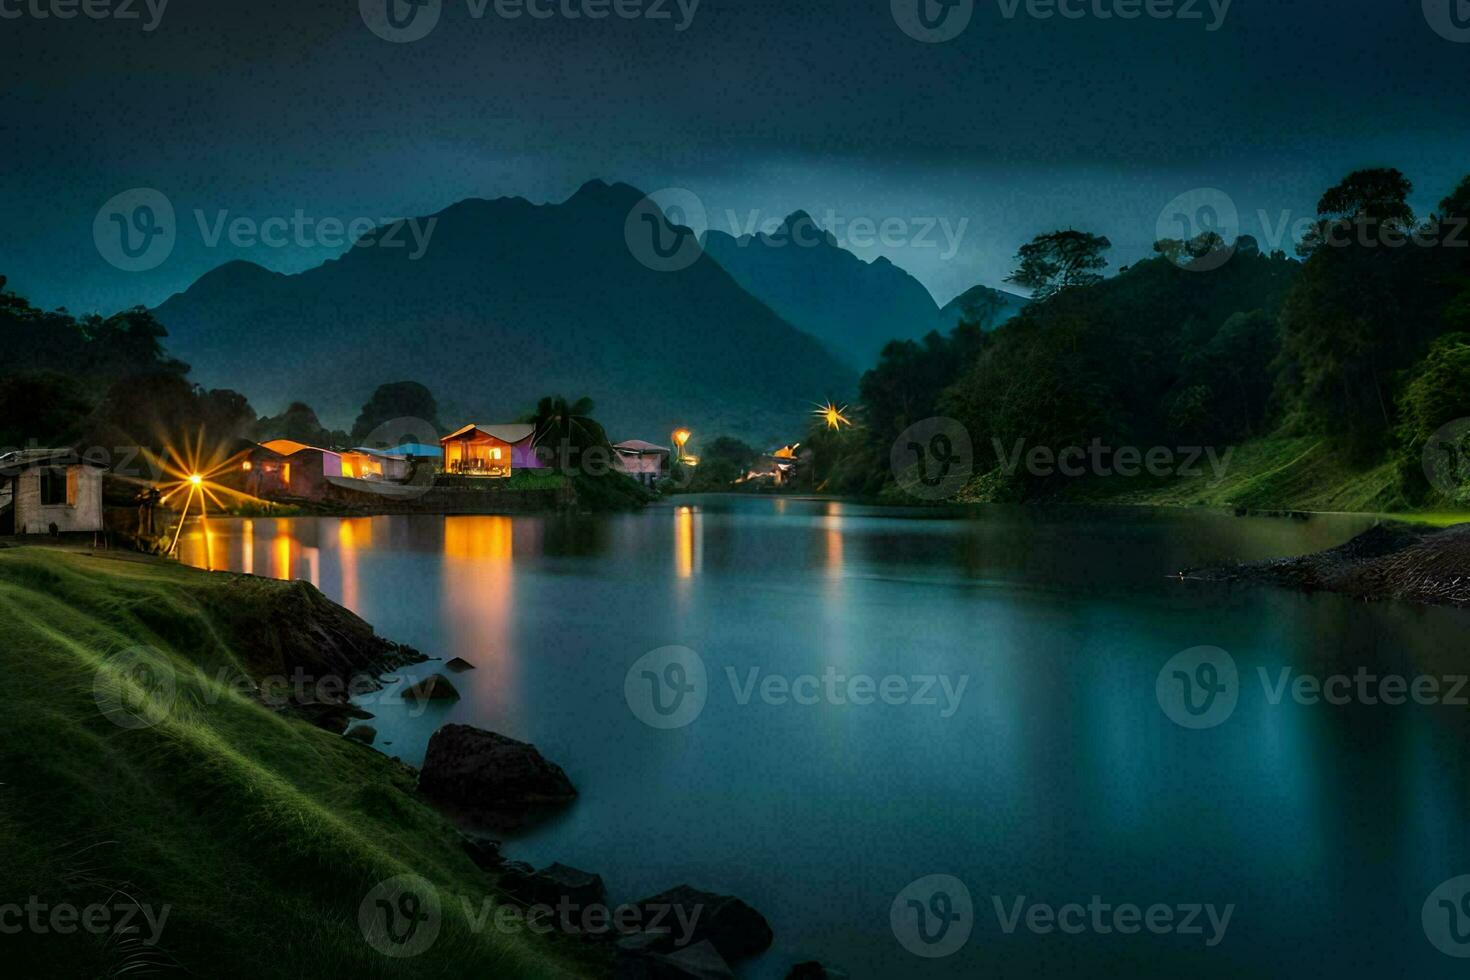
(567, 430)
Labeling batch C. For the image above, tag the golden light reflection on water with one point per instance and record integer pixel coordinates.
(247, 547)
(479, 597)
(354, 534)
(688, 550)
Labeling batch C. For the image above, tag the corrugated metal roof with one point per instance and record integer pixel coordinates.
(512, 433)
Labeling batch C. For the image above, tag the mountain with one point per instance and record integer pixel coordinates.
(852, 306)
(508, 302)
(991, 307)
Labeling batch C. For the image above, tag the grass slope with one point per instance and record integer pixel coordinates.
(263, 834)
(1302, 474)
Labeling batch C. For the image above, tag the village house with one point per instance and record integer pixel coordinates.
(49, 491)
(491, 450)
(643, 461)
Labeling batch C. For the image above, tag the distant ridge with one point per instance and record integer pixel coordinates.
(511, 301)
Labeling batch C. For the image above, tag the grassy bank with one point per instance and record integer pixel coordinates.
(260, 833)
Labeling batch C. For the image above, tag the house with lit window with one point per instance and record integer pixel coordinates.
(49, 491)
(494, 451)
(643, 461)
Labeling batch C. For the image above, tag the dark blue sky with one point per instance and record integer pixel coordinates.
(263, 108)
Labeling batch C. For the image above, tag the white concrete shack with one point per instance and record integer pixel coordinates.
(49, 491)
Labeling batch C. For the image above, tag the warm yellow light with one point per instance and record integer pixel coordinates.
(835, 417)
(681, 436)
(246, 466)
(196, 479)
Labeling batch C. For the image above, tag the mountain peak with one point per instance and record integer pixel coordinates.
(601, 193)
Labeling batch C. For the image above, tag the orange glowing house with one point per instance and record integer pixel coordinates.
(493, 451)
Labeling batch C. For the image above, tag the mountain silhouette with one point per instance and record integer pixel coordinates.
(511, 301)
(982, 304)
(852, 306)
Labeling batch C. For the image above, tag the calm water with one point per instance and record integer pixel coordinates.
(1055, 776)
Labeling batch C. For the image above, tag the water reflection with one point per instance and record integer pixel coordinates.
(1057, 776)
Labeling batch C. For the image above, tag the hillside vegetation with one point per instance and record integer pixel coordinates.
(261, 834)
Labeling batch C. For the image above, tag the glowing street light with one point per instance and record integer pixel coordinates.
(835, 417)
(681, 438)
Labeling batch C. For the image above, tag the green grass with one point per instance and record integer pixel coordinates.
(1303, 474)
(262, 833)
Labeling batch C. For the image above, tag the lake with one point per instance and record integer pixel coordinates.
(891, 695)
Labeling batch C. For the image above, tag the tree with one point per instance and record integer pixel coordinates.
(1375, 200)
(396, 400)
(1060, 260)
(1437, 393)
(565, 431)
(299, 424)
(46, 407)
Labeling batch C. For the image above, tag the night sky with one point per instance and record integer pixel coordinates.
(261, 108)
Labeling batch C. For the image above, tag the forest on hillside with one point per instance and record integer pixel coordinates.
(1360, 341)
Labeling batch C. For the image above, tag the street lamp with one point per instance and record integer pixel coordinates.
(681, 437)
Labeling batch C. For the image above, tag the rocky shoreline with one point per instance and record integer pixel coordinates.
(1407, 562)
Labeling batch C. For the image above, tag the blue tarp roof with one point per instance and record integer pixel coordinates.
(407, 449)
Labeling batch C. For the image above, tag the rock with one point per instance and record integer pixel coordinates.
(366, 734)
(435, 687)
(736, 930)
(484, 852)
(477, 770)
(331, 715)
(812, 970)
(459, 663)
(552, 885)
(702, 961)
